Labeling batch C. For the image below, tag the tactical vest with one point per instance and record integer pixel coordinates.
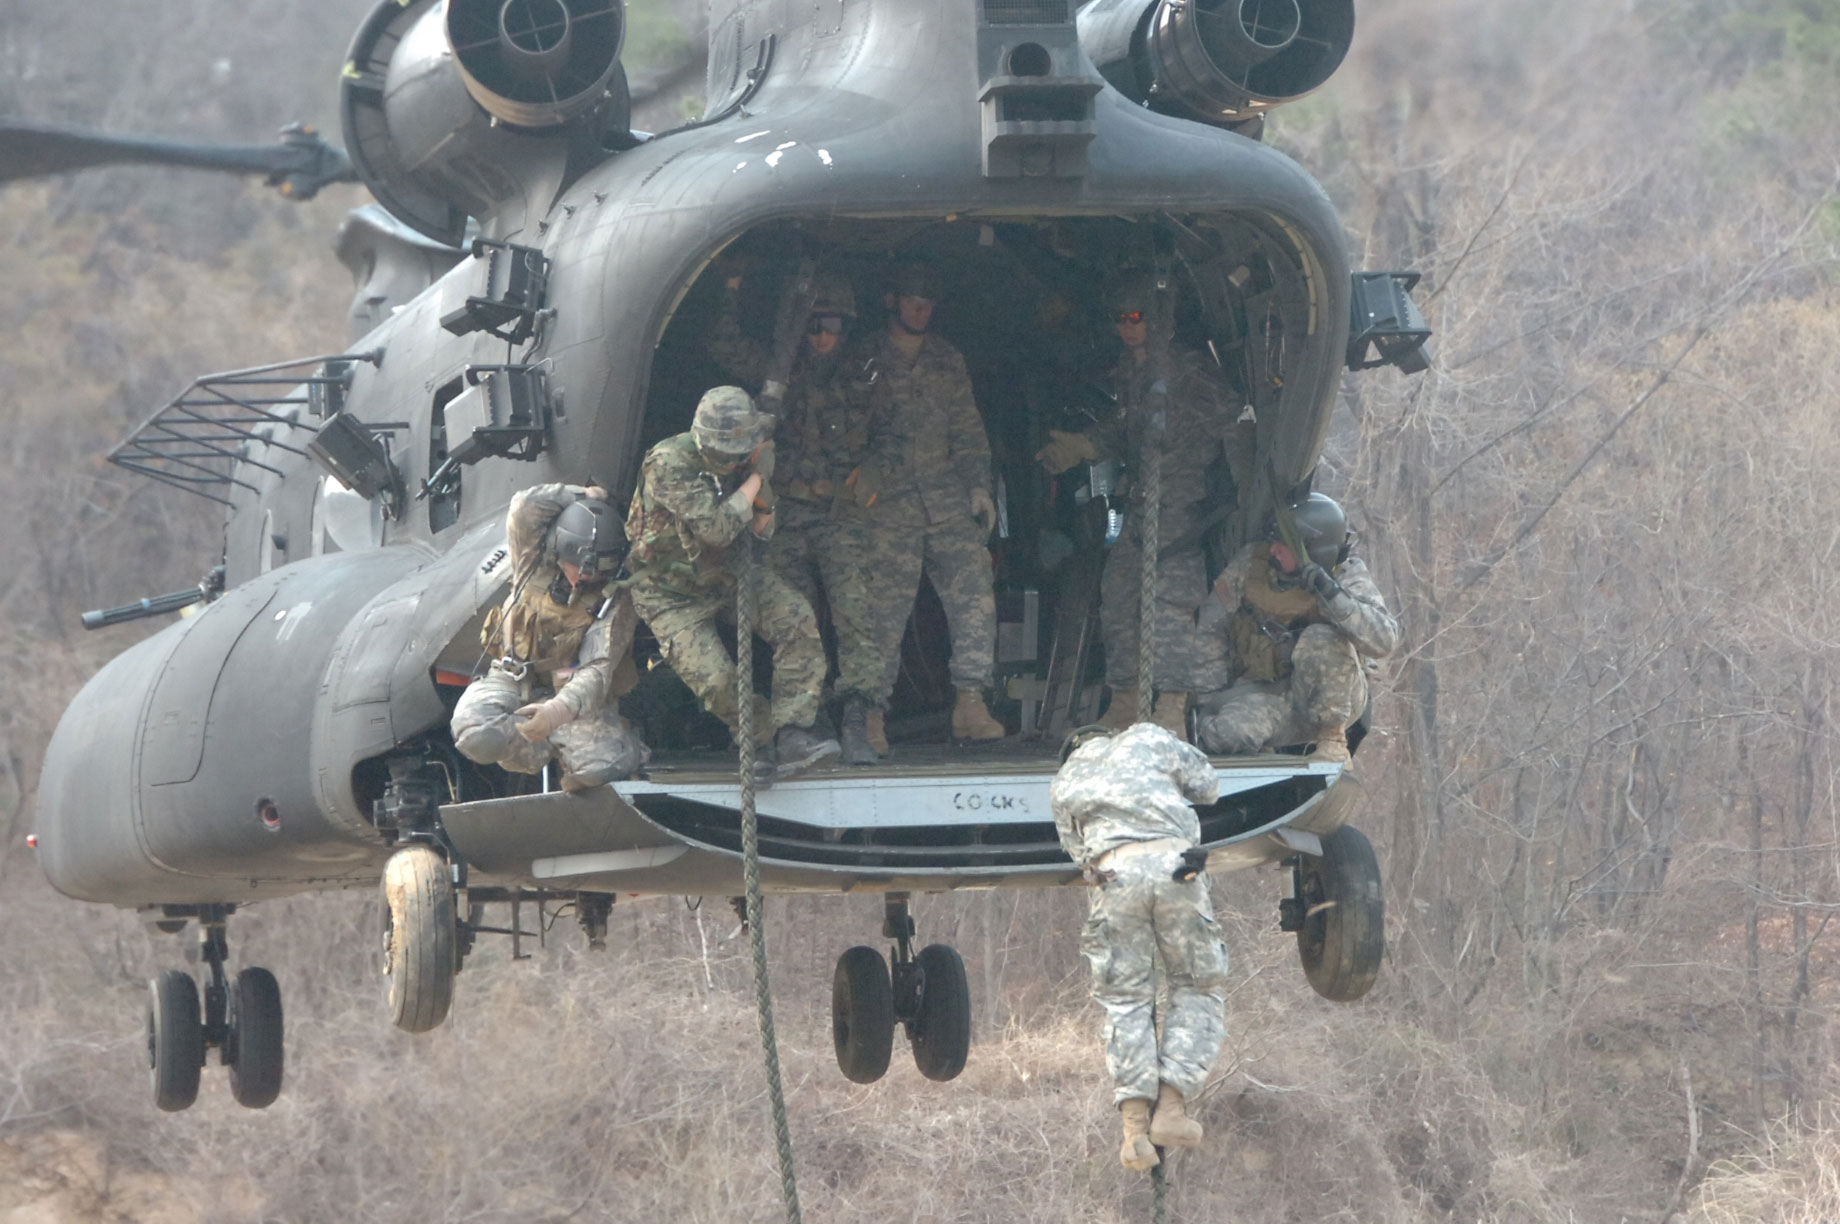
(1264, 629)
(532, 628)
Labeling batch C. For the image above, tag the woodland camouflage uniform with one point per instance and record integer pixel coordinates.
(1115, 796)
(818, 543)
(928, 447)
(1297, 657)
(579, 652)
(684, 524)
(1202, 428)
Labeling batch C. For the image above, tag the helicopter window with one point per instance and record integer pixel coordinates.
(444, 501)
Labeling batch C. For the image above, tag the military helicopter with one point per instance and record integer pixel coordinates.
(533, 288)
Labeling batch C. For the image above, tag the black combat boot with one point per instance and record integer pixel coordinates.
(766, 766)
(857, 750)
(800, 748)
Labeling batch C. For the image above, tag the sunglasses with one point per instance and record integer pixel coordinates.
(825, 323)
(1130, 316)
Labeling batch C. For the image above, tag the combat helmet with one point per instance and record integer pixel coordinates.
(916, 278)
(726, 423)
(588, 534)
(1135, 291)
(1080, 736)
(1322, 526)
(831, 294)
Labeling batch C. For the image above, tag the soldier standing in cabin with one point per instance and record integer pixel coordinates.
(1203, 429)
(926, 477)
(819, 542)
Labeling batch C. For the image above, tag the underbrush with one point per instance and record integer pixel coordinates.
(627, 1085)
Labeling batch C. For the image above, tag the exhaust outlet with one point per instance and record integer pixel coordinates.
(1219, 61)
(536, 63)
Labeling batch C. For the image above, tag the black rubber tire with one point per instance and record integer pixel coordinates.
(1342, 942)
(419, 937)
(252, 1047)
(862, 1015)
(941, 1033)
(175, 1040)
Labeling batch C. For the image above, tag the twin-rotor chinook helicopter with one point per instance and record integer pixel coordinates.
(533, 297)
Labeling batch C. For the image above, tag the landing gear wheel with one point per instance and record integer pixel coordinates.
(862, 1015)
(419, 937)
(1344, 928)
(252, 1045)
(175, 1040)
(941, 1032)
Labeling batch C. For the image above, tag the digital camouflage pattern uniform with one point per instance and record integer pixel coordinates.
(1202, 427)
(1297, 659)
(579, 652)
(683, 525)
(927, 443)
(822, 431)
(1114, 794)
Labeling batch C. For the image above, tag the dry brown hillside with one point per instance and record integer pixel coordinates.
(1602, 792)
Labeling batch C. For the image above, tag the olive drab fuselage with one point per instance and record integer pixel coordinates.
(323, 660)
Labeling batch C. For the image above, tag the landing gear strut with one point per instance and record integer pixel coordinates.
(240, 1017)
(926, 992)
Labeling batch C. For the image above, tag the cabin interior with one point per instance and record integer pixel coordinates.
(1026, 303)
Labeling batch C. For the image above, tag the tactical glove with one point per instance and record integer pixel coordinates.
(763, 459)
(541, 718)
(766, 499)
(1064, 449)
(1320, 582)
(984, 510)
(864, 485)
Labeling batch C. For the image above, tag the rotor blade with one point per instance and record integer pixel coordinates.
(299, 164)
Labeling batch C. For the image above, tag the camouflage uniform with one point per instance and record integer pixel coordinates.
(820, 437)
(1298, 659)
(927, 443)
(683, 526)
(1202, 424)
(1112, 795)
(579, 652)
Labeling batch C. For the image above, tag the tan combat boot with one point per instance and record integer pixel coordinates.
(1171, 1126)
(1137, 1152)
(877, 724)
(1332, 746)
(1171, 714)
(971, 720)
(1122, 712)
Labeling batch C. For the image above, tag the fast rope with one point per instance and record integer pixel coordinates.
(750, 868)
(1150, 456)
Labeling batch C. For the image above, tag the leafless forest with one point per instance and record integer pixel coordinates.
(1602, 792)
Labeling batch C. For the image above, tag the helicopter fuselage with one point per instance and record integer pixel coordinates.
(236, 754)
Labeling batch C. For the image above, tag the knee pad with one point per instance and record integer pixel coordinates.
(1219, 737)
(483, 743)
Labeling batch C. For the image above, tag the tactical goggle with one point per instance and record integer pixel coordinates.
(825, 323)
(1130, 316)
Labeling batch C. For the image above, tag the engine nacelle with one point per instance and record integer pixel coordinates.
(1223, 62)
(475, 107)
